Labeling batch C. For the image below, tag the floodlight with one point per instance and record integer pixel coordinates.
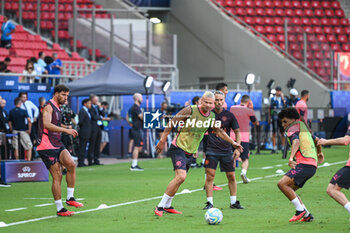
(165, 86)
(249, 79)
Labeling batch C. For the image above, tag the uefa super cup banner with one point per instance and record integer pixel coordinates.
(23, 171)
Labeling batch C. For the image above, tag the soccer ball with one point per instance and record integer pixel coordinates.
(213, 216)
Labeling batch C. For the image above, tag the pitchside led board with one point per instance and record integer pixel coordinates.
(10, 83)
(23, 171)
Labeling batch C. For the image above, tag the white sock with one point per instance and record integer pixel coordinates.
(297, 204)
(307, 212)
(168, 203)
(70, 193)
(134, 162)
(347, 206)
(244, 172)
(59, 205)
(164, 200)
(210, 199)
(233, 199)
(203, 161)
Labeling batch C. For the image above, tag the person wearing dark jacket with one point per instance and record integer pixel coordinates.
(95, 139)
(84, 130)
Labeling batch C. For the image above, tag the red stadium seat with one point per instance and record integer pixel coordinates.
(335, 21)
(346, 47)
(280, 12)
(325, 4)
(294, 46)
(322, 38)
(325, 22)
(314, 46)
(347, 30)
(339, 13)
(299, 12)
(260, 12)
(319, 55)
(342, 38)
(315, 21)
(278, 21)
(260, 21)
(250, 11)
(318, 30)
(308, 29)
(268, 21)
(268, 4)
(287, 4)
(278, 4)
(344, 22)
(259, 4)
(335, 4)
(297, 55)
(249, 3)
(315, 4)
(290, 12)
(298, 30)
(296, 21)
(331, 38)
(240, 3)
(329, 13)
(240, 11)
(306, 4)
(338, 30)
(279, 29)
(230, 3)
(319, 13)
(306, 21)
(280, 38)
(260, 29)
(308, 12)
(296, 4)
(328, 30)
(270, 30)
(271, 37)
(249, 20)
(270, 12)
(336, 47)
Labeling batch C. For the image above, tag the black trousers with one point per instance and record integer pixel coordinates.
(82, 148)
(94, 146)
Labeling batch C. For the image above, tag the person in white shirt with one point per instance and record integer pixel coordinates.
(29, 106)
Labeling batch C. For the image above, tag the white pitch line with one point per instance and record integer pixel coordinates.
(49, 198)
(10, 210)
(46, 204)
(143, 200)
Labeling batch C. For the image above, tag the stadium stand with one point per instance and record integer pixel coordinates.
(324, 23)
(47, 18)
(26, 45)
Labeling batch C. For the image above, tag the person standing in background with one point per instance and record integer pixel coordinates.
(7, 29)
(104, 127)
(95, 139)
(301, 106)
(244, 115)
(278, 102)
(20, 123)
(136, 132)
(84, 131)
(293, 98)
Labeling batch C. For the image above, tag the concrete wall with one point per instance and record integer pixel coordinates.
(216, 45)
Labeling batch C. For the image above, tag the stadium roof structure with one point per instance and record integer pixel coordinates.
(113, 78)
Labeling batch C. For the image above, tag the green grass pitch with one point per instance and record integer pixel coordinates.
(266, 208)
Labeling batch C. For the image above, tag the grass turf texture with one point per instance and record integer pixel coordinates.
(266, 208)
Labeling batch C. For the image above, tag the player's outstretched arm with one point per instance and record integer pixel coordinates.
(343, 141)
(180, 116)
(47, 112)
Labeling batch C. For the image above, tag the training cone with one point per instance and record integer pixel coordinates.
(102, 206)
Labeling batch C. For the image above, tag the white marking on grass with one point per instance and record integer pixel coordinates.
(144, 200)
(268, 167)
(49, 198)
(46, 204)
(10, 210)
(2, 224)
